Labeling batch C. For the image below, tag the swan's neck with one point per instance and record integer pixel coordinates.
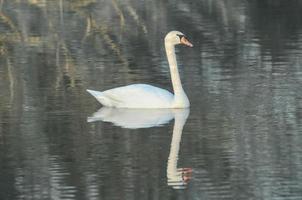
(176, 82)
(180, 97)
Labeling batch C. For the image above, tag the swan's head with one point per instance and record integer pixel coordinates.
(176, 37)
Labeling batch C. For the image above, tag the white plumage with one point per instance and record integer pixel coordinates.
(148, 96)
(134, 96)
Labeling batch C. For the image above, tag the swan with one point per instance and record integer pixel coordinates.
(148, 96)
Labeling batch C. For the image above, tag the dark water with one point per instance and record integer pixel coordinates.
(241, 138)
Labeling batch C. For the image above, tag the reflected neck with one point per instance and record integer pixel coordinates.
(174, 174)
(179, 122)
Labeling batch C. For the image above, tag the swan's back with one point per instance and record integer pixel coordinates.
(135, 96)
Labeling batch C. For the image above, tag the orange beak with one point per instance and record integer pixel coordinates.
(186, 42)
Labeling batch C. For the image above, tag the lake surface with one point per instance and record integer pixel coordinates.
(240, 139)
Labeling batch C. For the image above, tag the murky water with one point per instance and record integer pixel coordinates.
(241, 138)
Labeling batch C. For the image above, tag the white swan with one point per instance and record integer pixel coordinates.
(148, 96)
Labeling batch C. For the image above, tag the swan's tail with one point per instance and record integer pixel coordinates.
(96, 94)
(103, 99)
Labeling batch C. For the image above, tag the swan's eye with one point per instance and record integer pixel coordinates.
(180, 36)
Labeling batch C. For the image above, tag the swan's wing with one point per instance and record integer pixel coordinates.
(139, 96)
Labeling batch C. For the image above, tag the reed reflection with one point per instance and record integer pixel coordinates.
(177, 178)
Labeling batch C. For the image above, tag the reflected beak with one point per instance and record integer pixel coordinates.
(186, 42)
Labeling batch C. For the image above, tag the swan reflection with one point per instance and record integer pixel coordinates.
(133, 118)
(177, 178)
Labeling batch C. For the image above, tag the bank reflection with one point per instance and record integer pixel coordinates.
(177, 178)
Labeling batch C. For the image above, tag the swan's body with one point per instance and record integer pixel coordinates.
(148, 96)
(135, 96)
